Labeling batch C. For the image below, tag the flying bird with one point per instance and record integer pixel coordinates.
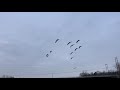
(71, 53)
(77, 41)
(47, 55)
(50, 51)
(68, 43)
(56, 40)
(71, 57)
(80, 46)
(76, 49)
(72, 45)
(74, 67)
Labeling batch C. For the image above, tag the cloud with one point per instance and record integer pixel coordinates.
(26, 38)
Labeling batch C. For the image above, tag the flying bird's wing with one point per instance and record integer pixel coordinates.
(74, 67)
(68, 43)
(71, 45)
(77, 41)
(56, 40)
(71, 57)
(76, 49)
(71, 53)
(80, 46)
(47, 55)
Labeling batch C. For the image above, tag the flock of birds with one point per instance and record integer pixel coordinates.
(69, 44)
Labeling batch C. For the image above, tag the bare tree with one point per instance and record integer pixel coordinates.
(84, 73)
(117, 66)
(7, 76)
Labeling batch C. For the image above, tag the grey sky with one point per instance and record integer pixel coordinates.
(26, 38)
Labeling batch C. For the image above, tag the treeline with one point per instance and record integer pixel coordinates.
(7, 76)
(103, 73)
(98, 73)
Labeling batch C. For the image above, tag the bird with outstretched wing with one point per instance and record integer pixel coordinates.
(71, 53)
(47, 55)
(77, 41)
(80, 46)
(76, 49)
(68, 43)
(72, 45)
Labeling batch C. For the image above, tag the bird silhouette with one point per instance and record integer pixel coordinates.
(71, 57)
(68, 43)
(50, 51)
(76, 49)
(72, 45)
(56, 40)
(71, 53)
(80, 46)
(77, 41)
(47, 55)
(74, 67)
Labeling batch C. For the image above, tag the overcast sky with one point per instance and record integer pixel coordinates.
(26, 38)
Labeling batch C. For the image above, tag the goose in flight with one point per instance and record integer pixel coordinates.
(77, 41)
(74, 67)
(47, 55)
(72, 45)
(80, 46)
(56, 40)
(76, 49)
(71, 57)
(71, 53)
(68, 43)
